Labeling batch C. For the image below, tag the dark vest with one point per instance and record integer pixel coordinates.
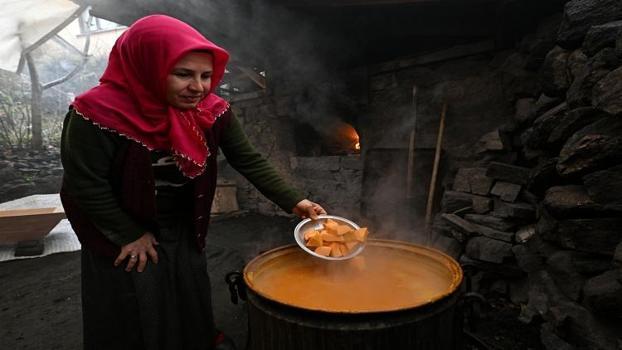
(134, 186)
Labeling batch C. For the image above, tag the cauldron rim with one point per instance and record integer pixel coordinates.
(453, 267)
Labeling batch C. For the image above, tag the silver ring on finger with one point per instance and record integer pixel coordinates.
(132, 256)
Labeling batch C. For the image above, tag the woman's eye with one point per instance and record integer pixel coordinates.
(181, 75)
(206, 77)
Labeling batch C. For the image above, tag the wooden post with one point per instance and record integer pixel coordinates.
(411, 149)
(432, 189)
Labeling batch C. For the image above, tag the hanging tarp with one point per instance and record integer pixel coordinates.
(25, 24)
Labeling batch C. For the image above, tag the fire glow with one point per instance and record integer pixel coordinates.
(349, 138)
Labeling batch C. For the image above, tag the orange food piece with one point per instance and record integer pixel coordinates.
(315, 241)
(335, 250)
(344, 249)
(331, 226)
(329, 237)
(323, 250)
(351, 245)
(343, 229)
(361, 234)
(335, 240)
(310, 234)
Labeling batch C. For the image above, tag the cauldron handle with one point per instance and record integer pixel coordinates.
(237, 287)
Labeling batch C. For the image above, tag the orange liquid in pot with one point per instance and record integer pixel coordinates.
(380, 279)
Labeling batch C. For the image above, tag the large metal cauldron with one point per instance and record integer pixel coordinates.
(296, 312)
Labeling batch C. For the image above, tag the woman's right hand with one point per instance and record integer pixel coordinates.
(138, 251)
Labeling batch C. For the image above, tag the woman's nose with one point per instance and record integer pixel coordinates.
(195, 85)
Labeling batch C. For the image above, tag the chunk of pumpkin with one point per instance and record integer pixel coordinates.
(331, 226)
(315, 241)
(310, 234)
(335, 250)
(343, 229)
(361, 234)
(344, 249)
(323, 250)
(329, 237)
(351, 245)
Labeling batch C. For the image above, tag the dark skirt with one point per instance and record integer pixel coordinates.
(167, 306)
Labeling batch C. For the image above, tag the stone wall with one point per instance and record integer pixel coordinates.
(333, 181)
(536, 216)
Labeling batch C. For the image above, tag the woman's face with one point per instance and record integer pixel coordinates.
(189, 80)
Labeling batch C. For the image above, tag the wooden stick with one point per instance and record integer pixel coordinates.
(411, 149)
(437, 158)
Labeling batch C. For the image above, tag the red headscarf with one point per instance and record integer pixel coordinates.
(130, 99)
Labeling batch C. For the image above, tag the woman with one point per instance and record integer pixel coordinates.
(139, 153)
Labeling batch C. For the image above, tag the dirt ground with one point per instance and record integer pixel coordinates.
(40, 298)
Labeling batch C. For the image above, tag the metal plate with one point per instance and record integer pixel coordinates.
(308, 224)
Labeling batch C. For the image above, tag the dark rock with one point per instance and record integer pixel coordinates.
(527, 260)
(509, 173)
(543, 176)
(554, 73)
(17, 190)
(580, 91)
(506, 191)
(472, 180)
(453, 201)
(546, 227)
(441, 226)
(581, 15)
(516, 79)
(605, 187)
(538, 43)
(519, 210)
(448, 245)
(607, 94)
(487, 249)
(538, 134)
(525, 233)
(578, 326)
(576, 61)
(597, 146)
(598, 236)
(518, 291)
(591, 264)
(545, 103)
(492, 141)
(29, 248)
(494, 234)
(571, 122)
(8, 173)
(617, 256)
(499, 287)
(552, 341)
(603, 294)
(482, 205)
(491, 221)
(525, 110)
(563, 271)
(493, 270)
(460, 224)
(601, 36)
(543, 294)
(568, 201)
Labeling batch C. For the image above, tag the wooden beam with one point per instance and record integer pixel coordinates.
(254, 76)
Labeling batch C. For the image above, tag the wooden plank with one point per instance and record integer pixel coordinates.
(28, 224)
(252, 75)
(433, 57)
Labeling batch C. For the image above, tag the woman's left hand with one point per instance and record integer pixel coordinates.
(307, 209)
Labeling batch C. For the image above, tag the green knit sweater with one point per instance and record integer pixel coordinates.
(87, 153)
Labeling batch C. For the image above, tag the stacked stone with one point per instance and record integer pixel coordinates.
(24, 173)
(545, 225)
